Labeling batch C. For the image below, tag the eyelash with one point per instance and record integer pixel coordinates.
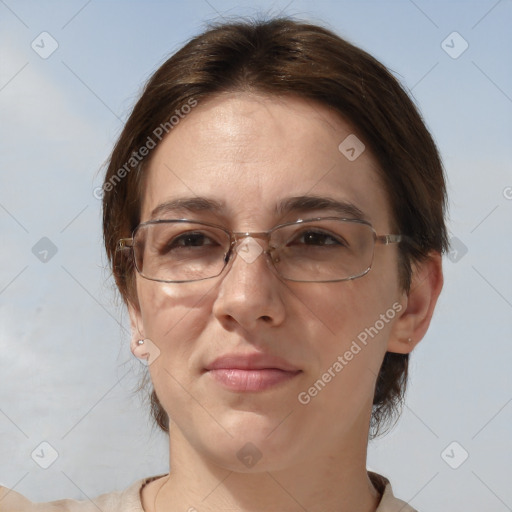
(301, 235)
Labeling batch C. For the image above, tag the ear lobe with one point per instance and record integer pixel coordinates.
(419, 304)
(137, 327)
(138, 348)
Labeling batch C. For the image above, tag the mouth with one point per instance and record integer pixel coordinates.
(251, 372)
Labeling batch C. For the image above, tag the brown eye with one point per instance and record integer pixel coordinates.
(318, 238)
(190, 240)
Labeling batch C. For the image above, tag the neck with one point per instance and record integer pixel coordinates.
(330, 479)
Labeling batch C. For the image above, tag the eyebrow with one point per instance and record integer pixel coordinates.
(310, 203)
(297, 204)
(187, 205)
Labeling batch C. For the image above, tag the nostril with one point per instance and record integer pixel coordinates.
(266, 318)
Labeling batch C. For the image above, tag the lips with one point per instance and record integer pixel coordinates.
(251, 372)
(254, 361)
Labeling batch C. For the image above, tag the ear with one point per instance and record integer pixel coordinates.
(137, 329)
(418, 305)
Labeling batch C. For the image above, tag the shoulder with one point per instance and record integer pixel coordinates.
(128, 500)
(388, 502)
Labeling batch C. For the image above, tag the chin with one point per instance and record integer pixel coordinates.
(256, 443)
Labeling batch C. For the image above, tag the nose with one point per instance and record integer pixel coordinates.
(250, 292)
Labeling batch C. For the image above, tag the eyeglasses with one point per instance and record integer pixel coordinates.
(322, 249)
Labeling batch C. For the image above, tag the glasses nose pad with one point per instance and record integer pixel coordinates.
(273, 259)
(272, 254)
(227, 255)
(229, 252)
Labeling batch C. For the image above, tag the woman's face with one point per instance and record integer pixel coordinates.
(250, 154)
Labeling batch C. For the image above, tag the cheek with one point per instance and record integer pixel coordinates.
(173, 315)
(350, 340)
(348, 307)
(352, 319)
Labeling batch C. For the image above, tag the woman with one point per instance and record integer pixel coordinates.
(274, 216)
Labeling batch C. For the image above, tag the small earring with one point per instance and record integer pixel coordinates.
(141, 342)
(409, 340)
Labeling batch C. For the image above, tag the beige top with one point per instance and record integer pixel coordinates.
(129, 500)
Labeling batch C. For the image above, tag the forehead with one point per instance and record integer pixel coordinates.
(249, 153)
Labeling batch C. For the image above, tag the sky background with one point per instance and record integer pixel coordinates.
(67, 376)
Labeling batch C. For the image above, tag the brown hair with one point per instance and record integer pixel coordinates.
(282, 56)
